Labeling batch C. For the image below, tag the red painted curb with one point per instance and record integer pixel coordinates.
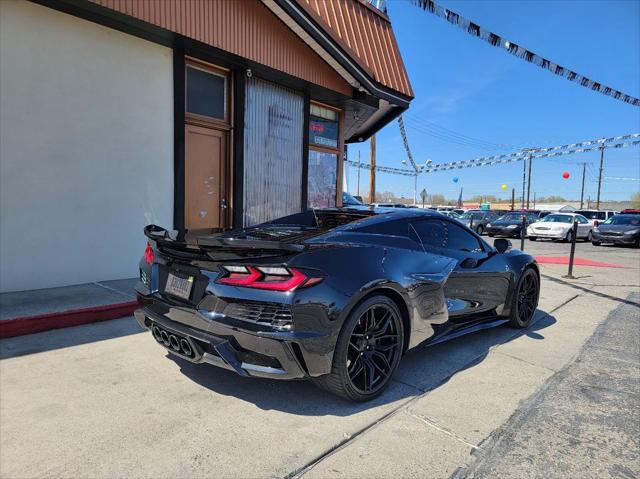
(65, 319)
(576, 261)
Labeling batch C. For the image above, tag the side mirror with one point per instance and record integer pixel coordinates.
(502, 245)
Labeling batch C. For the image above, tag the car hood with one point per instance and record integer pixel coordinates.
(618, 228)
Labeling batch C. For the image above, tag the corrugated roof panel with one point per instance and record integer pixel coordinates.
(366, 34)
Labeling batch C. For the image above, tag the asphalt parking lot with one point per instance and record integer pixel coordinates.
(559, 399)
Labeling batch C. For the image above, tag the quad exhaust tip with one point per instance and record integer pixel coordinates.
(172, 341)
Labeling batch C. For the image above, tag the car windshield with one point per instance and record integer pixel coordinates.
(349, 200)
(518, 217)
(623, 220)
(475, 215)
(558, 219)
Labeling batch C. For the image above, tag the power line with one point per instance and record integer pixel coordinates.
(446, 133)
(450, 138)
(513, 48)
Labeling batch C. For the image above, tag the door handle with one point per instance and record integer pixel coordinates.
(223, 203)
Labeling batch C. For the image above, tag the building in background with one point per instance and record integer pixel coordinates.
(196, 114)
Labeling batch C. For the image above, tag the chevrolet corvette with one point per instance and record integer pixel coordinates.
(336, 296)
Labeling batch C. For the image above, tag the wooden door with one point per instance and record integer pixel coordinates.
(206, 169)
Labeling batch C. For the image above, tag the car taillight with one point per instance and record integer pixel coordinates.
(148, 254)
(274, 278)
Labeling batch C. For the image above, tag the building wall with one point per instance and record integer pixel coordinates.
(86, 148)
(244, 27)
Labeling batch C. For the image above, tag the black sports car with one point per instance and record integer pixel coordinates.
(337, 296)
(511, 224)
(619, 229)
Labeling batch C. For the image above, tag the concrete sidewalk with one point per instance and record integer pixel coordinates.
(27, 312)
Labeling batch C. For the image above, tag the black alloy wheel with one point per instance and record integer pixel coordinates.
(368, 351)
(374, 348)
(525, 300)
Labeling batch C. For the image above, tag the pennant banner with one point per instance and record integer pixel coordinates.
(495, 40)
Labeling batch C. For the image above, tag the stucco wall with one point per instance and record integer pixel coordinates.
(86, 148)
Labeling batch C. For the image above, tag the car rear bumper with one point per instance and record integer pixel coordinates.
(214, 339)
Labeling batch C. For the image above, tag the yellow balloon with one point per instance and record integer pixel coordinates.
(504, 187)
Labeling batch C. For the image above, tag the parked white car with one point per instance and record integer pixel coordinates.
(559, 226)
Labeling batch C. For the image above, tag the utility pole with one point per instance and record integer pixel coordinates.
(534, 200)
(524, 179)
(600, 176)
(529, 180)
(513, 198)
(346, 167)
(358, 172)
(372, 169)
(584, 168)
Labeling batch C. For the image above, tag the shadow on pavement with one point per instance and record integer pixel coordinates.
(67, 337)
(421, 370)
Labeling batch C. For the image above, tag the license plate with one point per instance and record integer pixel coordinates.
(180, 287)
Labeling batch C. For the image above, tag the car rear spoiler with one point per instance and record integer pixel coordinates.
(210, 242)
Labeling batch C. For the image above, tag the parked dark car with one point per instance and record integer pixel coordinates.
(619, 229)
(336, 296)
(480, 219)
(510, 225)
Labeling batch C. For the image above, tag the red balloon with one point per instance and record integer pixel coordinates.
(566, 175)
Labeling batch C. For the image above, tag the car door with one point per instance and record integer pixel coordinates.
(479, 283)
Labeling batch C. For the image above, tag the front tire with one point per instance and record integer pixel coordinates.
(589, 237)
(525, 299)
(480, 230)
(367, 352)
(533, 238)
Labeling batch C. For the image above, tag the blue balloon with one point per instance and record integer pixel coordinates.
(455, 179)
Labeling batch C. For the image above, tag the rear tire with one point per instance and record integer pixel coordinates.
(525, 299)
(480, 230)
(589, 237)
(367, 352)
(596, 243)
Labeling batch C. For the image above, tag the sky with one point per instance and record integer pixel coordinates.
(465, 88)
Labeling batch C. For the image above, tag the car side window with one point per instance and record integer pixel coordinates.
(460, 239)
(444, 234)
(582, 219)
(431, 233)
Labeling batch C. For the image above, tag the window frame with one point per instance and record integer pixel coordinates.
(204, 120)
(484, 247)
(338, 150)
